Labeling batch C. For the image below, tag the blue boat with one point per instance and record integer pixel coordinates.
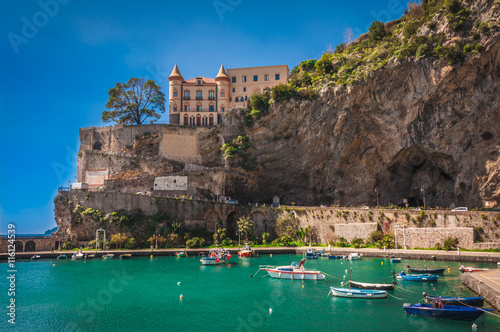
(313, 254)
(444, 311)
(336, 256)
(62, 256)
(358, 293)
(417, 277)
(475, 301)
(395, 260)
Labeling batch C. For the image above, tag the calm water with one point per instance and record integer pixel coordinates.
(142, 294)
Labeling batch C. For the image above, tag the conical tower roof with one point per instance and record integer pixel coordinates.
(176, 74)
(222, 74)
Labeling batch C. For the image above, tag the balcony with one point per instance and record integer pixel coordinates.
(186, 98)
(199, 98)
(211, 98)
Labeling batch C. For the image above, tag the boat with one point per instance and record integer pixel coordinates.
(125, 256)
(354, 256)
(475, 301)
(336, 257)
(182, 253)
(313, 254)
(472, 269)
(78, 255)
(246, 251)
(395, 260)
(216, 256)
(365, 285)
(358, 293)
(62, 257)
(35, 257)
(426, 270)
(108, 256)
(89, 256)
(444, 311)
(417, 277)
(293, 272)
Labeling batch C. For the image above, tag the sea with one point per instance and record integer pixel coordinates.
(179, 294)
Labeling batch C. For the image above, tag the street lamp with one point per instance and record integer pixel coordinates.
(376, 190)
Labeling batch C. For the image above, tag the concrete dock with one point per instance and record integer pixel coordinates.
(486, 284)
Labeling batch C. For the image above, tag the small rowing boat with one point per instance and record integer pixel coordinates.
(472, 269)
(365, 285)
(358, 293)
(182, 253)
(108, 256)
(395, 260)
(416, 277)
(35, 257)
(125, 256)
(293, 272)
(62, 256)
(425, 270)
(469, 314)
(354, 256)
(336, 256)
(475, 301)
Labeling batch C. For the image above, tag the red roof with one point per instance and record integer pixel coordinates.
(205, 80)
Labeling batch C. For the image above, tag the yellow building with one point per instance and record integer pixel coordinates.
(201, 101)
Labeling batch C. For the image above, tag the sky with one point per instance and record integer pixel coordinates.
(59, 58)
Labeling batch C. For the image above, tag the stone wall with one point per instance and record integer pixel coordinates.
(355, 230)
(429, 237)
(24, 244)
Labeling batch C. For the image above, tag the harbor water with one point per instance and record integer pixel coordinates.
(179, 294)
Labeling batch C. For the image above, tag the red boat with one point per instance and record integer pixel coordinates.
(245, 252)
(472, 269)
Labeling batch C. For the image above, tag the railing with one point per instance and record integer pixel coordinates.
(211, 98)
(186, 98)
(62, 188)
(199, 98)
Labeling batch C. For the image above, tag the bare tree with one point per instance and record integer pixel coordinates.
(348, 35)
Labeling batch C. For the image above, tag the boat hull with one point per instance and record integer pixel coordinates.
(355, 293)
(476, 301)
(395, 260)
(306, 275)
(364, 285)
(426, 271)
(447, 312)
(335, 257)
(212, 261)
(245, 253)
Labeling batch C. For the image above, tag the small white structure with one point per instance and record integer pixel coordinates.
(171, 183)
(79, 186)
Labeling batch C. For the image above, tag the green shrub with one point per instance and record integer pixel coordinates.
(357, 243)
(450, 243)
(197, 242)
(341, 243)
(411, 29)
(283, 92)
(387, 241)
(377, 31)
(67, 245)
(324, 66)
(226, 242)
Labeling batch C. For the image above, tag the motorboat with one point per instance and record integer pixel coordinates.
(293, 272)
(472, 269)
(358, 293)
(108, 256)
(417, 277)
(354, 256)
(246, 251)
(216, 256)
(365, 285)
(78, 255)
(337, 257)
(475, 301)
(181, 253)
(425, 270)
(395, 260)
(35, 257)
(62, 256)
(312, 253)
(125, 256)
(444, 311)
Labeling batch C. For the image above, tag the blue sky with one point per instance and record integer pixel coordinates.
(60, 58)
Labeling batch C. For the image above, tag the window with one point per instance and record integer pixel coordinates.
(246, 98)
(277, 77)
(186, 119)
(199, 82)
(211, 108)
(266, 77)
(255, 78)
(198, 120)
(186, 108)
(205, 121)
(233, 79)
(175, 93)
(236, 99)
(244, 89)
(198, 108)
(222, 109)
(175, 108)
(222, 93)
(186, 94)
(243, 78)
(234, 90)
(198, 95)
(211, 121)
(191, 121)
(211, 95)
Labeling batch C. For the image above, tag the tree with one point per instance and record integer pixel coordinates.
(348, 35)
(377, 31)
(245, 227)
(157, 240)
(134, 101)
(119, 239)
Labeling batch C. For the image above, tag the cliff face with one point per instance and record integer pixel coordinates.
(421, 124)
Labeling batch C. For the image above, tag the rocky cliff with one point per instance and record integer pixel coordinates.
(419, 129)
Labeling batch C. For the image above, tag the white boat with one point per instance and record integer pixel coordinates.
(358, 293)
(216, 256)
(108, 256)
(293, 272)
(35, 257)
(246, 251)
(354, 256)
(78, 255)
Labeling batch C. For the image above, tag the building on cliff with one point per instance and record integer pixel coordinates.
(201, 101)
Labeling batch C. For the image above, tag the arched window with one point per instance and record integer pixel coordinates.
(222, 93)
(186, 107)
(236, 99)
(175, 92)
(97, 146)
(191, 120)
(198, 120)
(211, 120)
(204, 121)
(175, 107)
(186, 119)
(211, 107)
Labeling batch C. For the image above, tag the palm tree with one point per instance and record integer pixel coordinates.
(245, 227)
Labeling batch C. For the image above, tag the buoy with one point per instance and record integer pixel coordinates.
(53, 264)
(302, 286)
(381, 263)
(178, 283)
(345, 271)
(151, 256)
(270, 310)
(344, 276)
(271, 255)
(181, 297)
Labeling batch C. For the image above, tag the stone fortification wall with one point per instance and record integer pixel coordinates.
(429, 237)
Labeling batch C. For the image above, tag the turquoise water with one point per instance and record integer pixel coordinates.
(143, 294)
